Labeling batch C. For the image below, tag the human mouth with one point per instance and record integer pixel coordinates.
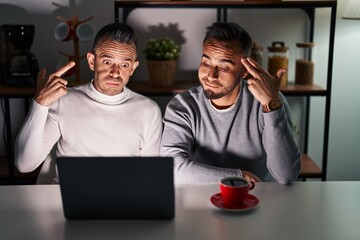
(213, 84)
(113, 83)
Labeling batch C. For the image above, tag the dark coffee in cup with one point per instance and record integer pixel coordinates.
(235, 182)
(234, 190)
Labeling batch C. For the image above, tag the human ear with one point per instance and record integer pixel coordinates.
(135, 65)
(91, 60)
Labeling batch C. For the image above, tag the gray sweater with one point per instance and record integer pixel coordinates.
(208, 144)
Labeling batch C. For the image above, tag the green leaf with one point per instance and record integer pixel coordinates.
(161, 49)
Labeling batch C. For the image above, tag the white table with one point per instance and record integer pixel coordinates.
(304, 210)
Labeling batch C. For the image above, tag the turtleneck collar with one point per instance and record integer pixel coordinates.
(106, 99)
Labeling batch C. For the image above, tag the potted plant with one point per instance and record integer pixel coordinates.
(161, 56)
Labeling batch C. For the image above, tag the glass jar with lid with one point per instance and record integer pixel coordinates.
(278, 58)
(257, 53)
(304, 68)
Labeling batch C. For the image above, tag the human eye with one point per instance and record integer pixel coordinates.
(125, 65)
(106, 62)
(224, 68)
(206, 63)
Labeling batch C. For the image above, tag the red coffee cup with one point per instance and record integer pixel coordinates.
(234, 190)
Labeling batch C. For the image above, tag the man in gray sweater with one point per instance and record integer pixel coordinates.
(230, 126)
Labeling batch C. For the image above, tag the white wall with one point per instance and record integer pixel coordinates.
(344, 162)
(344, 147)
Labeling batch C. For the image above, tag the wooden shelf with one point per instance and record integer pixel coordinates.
(303, 90)
(144, 87)
(309, 169)
(225, 3)
(19, 92)
(22, 92)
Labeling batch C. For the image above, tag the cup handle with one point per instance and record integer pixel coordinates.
(252, 185)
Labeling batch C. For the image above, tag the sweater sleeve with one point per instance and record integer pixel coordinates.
(283, 153)
(152, 139)
(36, 138)
(177, 142)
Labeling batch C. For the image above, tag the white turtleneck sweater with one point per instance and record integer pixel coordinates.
(86, 122)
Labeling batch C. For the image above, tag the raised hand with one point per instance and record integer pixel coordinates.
(54, 87)
(261, 84)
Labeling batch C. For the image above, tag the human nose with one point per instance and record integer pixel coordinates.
(213, 73)
(115, 71)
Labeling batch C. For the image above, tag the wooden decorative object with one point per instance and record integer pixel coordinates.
(73, 25)
(161, 73)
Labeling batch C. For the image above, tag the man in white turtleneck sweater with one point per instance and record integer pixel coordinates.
(100, 118)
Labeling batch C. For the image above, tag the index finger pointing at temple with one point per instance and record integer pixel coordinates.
(64, 69)
(251, 67)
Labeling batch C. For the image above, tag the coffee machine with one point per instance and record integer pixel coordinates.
(18, 66)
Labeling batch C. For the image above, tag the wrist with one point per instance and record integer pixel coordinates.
(272, 105)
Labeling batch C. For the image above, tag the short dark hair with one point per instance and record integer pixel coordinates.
(228, 32)
(119, 32)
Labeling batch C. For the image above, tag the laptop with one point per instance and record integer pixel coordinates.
(117, 187)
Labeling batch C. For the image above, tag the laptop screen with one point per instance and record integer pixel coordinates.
(117, 187)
